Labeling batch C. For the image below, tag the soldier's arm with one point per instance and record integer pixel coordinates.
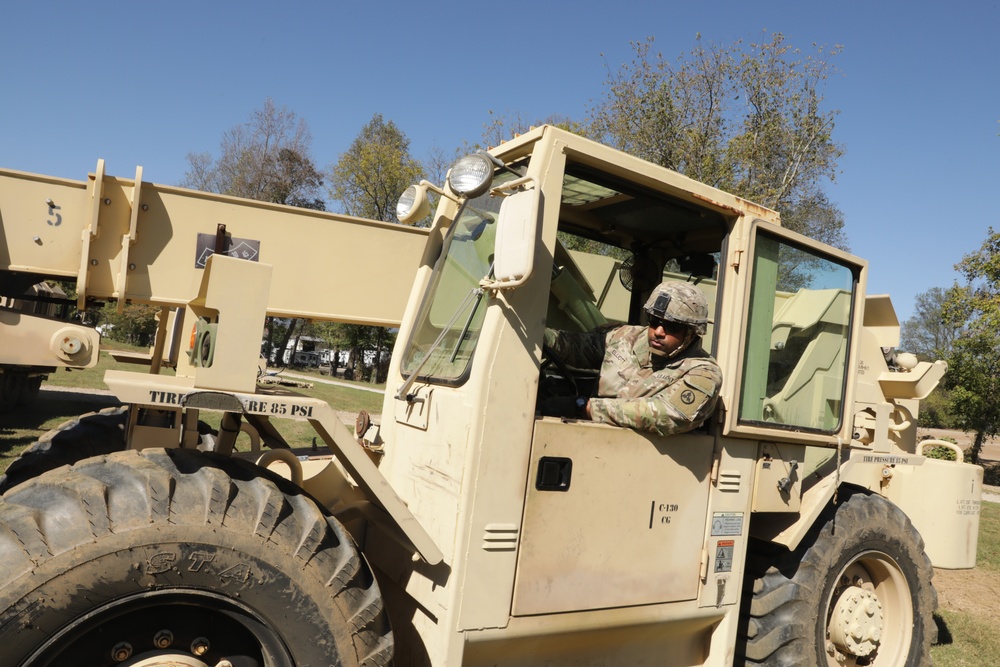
(679, 407)
(577, 349)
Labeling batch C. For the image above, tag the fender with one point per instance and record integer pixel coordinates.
(789, 532)
(177, 393)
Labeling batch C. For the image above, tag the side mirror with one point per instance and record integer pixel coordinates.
(517, 228)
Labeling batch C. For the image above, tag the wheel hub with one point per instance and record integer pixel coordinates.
(856, 623)
(167, 659)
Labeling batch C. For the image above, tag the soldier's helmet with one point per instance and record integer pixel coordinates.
(679, 302)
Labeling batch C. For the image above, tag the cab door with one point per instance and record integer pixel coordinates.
(612, 518)
(796, 365)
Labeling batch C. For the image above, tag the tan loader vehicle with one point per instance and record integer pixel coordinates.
(799, 525)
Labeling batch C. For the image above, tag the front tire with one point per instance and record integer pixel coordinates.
(857, 593)
(175, 557)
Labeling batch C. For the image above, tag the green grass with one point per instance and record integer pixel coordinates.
(988, 554)
(969, 638)
(974, 642)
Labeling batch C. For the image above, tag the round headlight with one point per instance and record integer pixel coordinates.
(412, 205)
(471, 176)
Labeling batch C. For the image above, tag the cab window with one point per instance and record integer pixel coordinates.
(797, 337)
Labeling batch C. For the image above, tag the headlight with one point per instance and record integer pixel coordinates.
(412, 205)
(471, 176)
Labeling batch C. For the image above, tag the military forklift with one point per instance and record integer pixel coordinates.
(797, 526)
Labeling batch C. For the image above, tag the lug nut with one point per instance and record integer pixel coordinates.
(121, 652)
(200, 646)
(163, 639)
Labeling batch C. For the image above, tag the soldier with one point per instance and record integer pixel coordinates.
(656, 378)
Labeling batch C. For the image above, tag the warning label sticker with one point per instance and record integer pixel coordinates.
(724, 555)
(727, 523)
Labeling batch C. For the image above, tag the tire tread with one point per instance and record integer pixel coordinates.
(112, 494)
(779, 621)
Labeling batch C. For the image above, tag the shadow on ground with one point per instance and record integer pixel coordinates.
(943, 633)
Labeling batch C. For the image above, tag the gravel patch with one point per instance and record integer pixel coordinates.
(104, 396)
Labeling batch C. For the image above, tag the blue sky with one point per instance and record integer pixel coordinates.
(146, 83)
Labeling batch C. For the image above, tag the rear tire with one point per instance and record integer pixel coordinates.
(30, 387)
(178, 557)
(857, 593)
(92, 434)
(11, 382)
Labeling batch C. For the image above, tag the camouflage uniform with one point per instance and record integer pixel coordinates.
(639, 389)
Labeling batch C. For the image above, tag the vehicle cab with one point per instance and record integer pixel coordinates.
(547, 524)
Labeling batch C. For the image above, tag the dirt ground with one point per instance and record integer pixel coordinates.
(974, 592)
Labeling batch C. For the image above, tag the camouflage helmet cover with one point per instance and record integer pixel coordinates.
(679, 302)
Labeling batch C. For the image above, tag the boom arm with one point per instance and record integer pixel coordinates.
(126, 239)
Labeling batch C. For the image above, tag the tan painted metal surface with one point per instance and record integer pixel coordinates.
(36, 341)
(132, 240)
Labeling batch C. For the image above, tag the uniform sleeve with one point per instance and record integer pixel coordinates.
(681, 406)
(580, 350)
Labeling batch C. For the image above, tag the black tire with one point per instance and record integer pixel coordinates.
(29, 389)
(10, 388)
(92, 434)
(177, 555)
(863, 571)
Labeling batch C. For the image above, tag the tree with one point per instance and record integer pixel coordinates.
(926, 333)
(749, 120)
(509, 124)
(135, 325)
(296, 181)
(817, 217)
(265, 158)
(368, 179)
(973, 311)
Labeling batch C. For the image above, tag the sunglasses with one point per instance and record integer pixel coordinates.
(669, 327)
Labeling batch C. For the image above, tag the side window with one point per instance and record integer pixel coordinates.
(797, 337)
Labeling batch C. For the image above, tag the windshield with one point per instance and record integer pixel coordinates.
(447, 329)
